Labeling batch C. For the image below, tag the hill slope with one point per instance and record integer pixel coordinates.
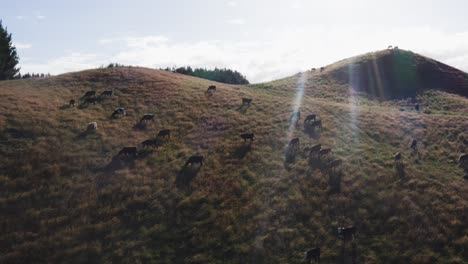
(66, 198)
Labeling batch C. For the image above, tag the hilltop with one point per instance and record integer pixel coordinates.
(397, 73)
(66, 198)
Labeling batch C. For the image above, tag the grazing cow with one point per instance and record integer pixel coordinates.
(324, 152)
(396, 47)
(317, 123)
(120, 111)
(128, 151)
(346, 233)
(315, 149)
(92, 127)
(390, 47)
(90, 93)
(465, 177)
(310, 118)
(397, 157)
(322, 68)
(149, 143)
(313, 69)
(211, 89)
(164, 133)
(147, 117)
(72, 103)
(414, 145)
(247, 136)
(91, 100)
(106, 93)
(246, 101)
(462, 159)
(194, 159)
(313, 255)
(295, 116)
(294, 143)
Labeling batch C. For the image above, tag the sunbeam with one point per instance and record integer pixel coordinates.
(297, 102)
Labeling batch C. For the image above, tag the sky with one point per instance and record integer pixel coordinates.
(263, 39)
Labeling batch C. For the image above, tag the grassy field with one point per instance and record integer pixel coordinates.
(65, 198)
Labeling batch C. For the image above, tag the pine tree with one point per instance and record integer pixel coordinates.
(8, 57)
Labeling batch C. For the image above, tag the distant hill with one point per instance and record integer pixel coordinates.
(66, 197)
(397, 73)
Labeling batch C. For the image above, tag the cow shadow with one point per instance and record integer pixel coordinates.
(186, 175)
(243, 108)
(65, 106)
(241, 151)
(87, 134)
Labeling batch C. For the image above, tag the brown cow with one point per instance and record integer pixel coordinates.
(164, 133)
(149, 143)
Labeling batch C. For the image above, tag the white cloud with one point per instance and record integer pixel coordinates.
(20, 45)
(232, 3)
(71, 62)
(281, 53)
(21, 17)
(40, 17)
(236, 21)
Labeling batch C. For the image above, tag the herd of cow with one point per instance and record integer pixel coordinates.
(316, 154)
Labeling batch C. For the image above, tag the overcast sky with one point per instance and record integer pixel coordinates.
(263, 39)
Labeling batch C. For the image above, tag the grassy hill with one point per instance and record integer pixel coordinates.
(64, 197)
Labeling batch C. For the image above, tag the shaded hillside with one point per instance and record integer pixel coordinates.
(397, 73)
(65, 197)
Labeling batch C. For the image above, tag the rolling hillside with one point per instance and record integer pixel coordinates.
(66, 198)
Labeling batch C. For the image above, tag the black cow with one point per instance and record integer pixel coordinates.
(322, 68)
(128, 151)
(164, 133)
(194, 159)
(211, 89)
(147, 117)
(397, 156)
(91, 100)
(246, 101)
(149, 143)
(463, 158)
(106, 93)
(414, 144)
(295, 116)
(313, 255)
(120, 111)
(317, 123)
(294, 143)
(416, 107)
(90, 93)
(72, 103)
(315, 148)
(323, 152)
(465, 177)
(310, 118)
(346, 233)
(247, 136)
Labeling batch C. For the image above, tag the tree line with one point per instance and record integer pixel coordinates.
(218, 75)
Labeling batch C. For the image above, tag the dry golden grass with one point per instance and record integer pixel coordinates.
(64, 199)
